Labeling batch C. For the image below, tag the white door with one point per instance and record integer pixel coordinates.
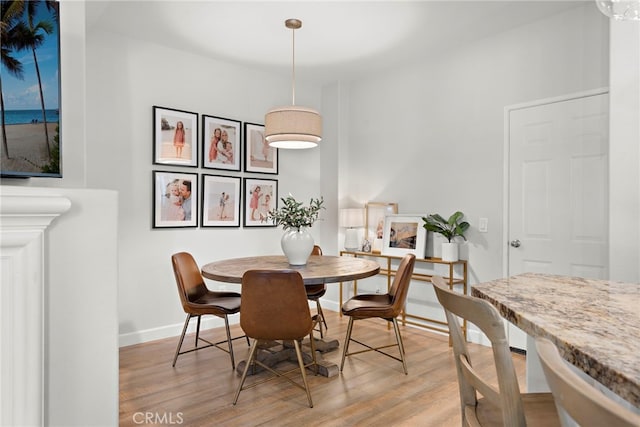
(558, 190)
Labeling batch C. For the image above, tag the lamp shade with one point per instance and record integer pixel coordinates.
(293, 127)
(352, 217)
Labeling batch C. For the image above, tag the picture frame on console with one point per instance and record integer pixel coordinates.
(260, 197)
(221, 198)
(175, 199)
(404, 234)
(375, 213)
(175, 137)
(259, 156)
(221, 143)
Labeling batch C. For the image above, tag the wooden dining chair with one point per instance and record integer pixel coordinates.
(197, 301)
(384, 306)
(576, 399)
(501, 406)
(275, 307)
(314, 293)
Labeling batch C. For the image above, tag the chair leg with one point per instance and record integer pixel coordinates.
(198, 331)
(184, 331)
(303, 371)
(346, 342)
(249, 362)
(229, 341)
(321, 319)
(400, 344)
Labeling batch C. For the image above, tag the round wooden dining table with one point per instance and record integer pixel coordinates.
(318, 270)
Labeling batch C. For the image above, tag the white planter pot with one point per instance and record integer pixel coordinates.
(450, 251)
(297, 246)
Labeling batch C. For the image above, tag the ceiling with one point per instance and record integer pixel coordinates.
(338, 39)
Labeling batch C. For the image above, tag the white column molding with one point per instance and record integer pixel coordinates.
(25, 214)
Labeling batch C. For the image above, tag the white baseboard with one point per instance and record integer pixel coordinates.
(146, 335)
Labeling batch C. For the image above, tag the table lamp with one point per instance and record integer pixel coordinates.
(351, 219)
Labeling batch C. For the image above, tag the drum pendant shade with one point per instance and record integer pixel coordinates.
(292, 126)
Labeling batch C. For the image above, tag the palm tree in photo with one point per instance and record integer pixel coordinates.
(11, 30)
(34, 38)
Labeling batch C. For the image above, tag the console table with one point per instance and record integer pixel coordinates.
(386, 269)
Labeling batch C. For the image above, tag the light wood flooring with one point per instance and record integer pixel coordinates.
(371, 391)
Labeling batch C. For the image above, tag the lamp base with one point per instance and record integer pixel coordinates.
(351, 239)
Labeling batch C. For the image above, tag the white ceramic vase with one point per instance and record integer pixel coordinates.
(297, 245)
(450, 251)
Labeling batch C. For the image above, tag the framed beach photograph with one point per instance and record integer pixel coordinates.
(259, 156)
(260, 196)
(220, 201)
(30, 80)
(175, 137)
(175, 199)
(375, 213)
(220, 143)
(404, 234)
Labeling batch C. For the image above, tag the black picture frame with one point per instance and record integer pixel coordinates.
(259, 157)
(217, 156)
(221, 201)
(255, 206)
(171, 208)
(169, 146)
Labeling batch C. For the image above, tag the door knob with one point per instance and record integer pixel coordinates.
(515, 243)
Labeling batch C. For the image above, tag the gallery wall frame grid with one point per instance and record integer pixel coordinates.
(175, 199)
(221, 143)
(221, 201)
(260, 197)
(175, 137)
(259, 156)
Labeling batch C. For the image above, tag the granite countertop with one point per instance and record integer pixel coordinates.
(594, 323)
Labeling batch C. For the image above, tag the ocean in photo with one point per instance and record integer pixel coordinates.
(20, 117)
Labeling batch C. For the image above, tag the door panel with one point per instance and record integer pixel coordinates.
(558, 189)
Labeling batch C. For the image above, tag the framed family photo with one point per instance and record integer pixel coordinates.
(260, 196)
(375, 213)
(175, 199)
(220, 143)
(404, 234)
(259, 156)
(175, 137)
(220, 201)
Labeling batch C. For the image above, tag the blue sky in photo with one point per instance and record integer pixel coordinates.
(24, 94)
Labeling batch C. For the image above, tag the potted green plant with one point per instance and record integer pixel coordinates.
(295, 219)
(450, 229)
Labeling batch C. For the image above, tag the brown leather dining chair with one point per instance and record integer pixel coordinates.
(314, 293)
(384, 306)
(576, 399)
(501, 406)
(275, 307)
(197, 301)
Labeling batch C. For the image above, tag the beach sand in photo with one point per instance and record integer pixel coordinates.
(27, 147)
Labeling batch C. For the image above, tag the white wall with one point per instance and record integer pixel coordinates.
(430, 137)
(624, 169)
(81, 326)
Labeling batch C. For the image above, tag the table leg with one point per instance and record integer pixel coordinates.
(272, 352)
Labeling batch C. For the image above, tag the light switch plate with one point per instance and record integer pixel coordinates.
(483, 225)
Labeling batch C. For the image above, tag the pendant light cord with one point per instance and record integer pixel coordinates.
(293, 67)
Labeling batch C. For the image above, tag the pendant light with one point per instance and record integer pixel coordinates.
(292, 126)
(620, 10)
